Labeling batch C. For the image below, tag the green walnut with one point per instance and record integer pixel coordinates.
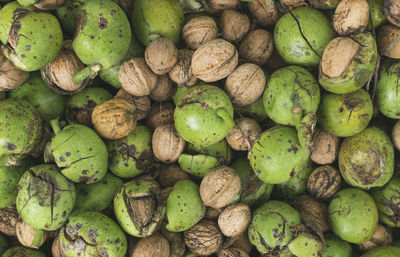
(387, 91)
(387, 200)
(131, 155)
(277, 155)
(324, 4)
(377, 15)
(305, 245)
(92, 234)
(353, 215)
(270, 227)
(204, 115)
(138, 207)
(152, 19)
(348, 63)
(66, 14)
(184, 206)
(19, 251)
(301, 35)
(366, 159)
(4, 245)
(386, 251)
(255, 110)
(21, 130)
(7, 18)
(35, 38)
(334, 246)
(345, 115)
(47, 102)
(45, 197)
(2, 95)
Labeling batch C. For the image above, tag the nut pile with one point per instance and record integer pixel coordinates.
(182, 128)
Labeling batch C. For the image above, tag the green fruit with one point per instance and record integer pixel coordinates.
(301, 35)
(197, 165)
(7, 18)
(92, 234)
(2, 95)
(387, 91)
(66, 14)
(387, 200)
(305, 245)
(383, 251)
(336, 247)
(366, 159)
(377, 16)
(345, 115)
(45, 197)
(255, 110)
(204, 115)
(131, 155)
(152, 19)
(184, 206)
(276, 156)
(353, 215)
(180, 91)
(19, 251)
(3, 243)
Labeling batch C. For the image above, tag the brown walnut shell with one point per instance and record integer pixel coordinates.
(219, 187)
(171, 174)
(245, 84)
(286, 5)
(48, 4)
(388, 41)
(167, 144)
(214, 60)
(257, 47)
(240, 242)
(396, 135)
(154, 245)
(381, 237)
(234, 25)
(163, 90)
(142, 103)
(324, 182)
(265, 12)
(234, 219)
(351, 17)
(182, 73)
(326, 147)
(242, 136)
(8, 220)
(204, 238)
(114, 119)
(198, 31)
(27, 235)
(160, 114)
(161, 55)
(10, 76)
(215, 6)
(391, 8)
(232, 252)
(136, 77)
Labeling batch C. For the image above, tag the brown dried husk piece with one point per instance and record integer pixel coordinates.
(10, 76)
(286, 5)
(198, 31)
(324, 182)
(160, 114)
(265, 12)
(241, 242)
(212, 213)
(163, 90)
(396, 135)
(232, 252)
(351, 17)
(114, 119)
(48, 4)
(391, 8)
(388, 41)
(56, 248)
(381, 237)
(326, 147)
(324, 4)
(182, 73)
(161, 55)
(126, 5)
(234, 25)
(242, 136)
(234, 219)
(151, 246)
(142, 103)
(167, 143)
(171, 174)
(204, 238)
(8, 220)
(215, 6)
(257, 47)
(28, 235)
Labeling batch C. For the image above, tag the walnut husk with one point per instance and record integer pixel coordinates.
(212, 213)
(351, 17)
(114, 119)
(387, 41)
(265, 12)
(171, 174)
(154, 245)
(245, 84)
(326, 147)
(232, 252)
(391, 8)
(204, 238)
(215, 6)
(182, 73)
(8, 220)
(234, 219)
(241, 242)
(324, 182)
(27, 235)
(324, 4)
(160, 114)
(167, 144)
(56, 248)
(290, 4)
(381, 237)
(161, 55)
(10, 76)
(48, 4)
(242, 136)
(136, 77)
(142, 103)
(234, 25)
(257, 47)
(163, 90)
(396, 135)
(198, 31)
(214, 60)
(126, 5)
(227, 183)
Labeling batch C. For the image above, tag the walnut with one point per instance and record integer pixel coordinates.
(167, 144)
(29, 236)
(215, 6)
(154, 245)
(232, 252)
(391, 8)
(257, 47)
(8, 220)
(163, 90)
(265, 12)
(381, 237)
(214, 60)
(324, 182)
(48, 4)
(387, 41)
(242, 136)
(326, 147)
(234, 25)
(198, 31)
(160, 114)
(204, 238)
(351, 17)
(10, 76)
(161, 55)
(240, 242)
(182, 73)
(234, 219)
(396, 135)
(171, 174)
(142, 103)
(136, 77)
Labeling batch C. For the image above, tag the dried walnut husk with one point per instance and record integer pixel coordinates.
(242, 136)
(232, 252)
(198, 31)
(204, 238)
(163, 90)
(182, 73)
(167, 144)
(234, 219)
(326, 147)
(29, 236)
(388, 41)
(396, 135)
(234, 25)
(161, 55)
(381, 237)
(265, 12)
(324, 182)
(8, 220)
(56, 248)
(257, 46)
(241, 242)
(48, 4)
(154, 245)
(171, 174)
(286, 5)
(10, 76)
(142, 103)
(160, 114)
(351, 17)
(391, 8)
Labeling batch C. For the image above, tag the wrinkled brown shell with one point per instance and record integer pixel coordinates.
(234, 219)
(56, 248)
(264, 14)
(215, 6)
(388, 41)
(26, 234)
(219, 187)
(326, 147)
(142, 103)
(163, 90)
(381, 237)
(48, 4)
(10, 76)
(391, 8)
(242, 136)
(114, 119)
(214, 60)
(167, 144)
(324, 182)
(8, 220)
(245, 84)
(161, 55)
(182, 73)
(154, 245)
(136, 77)
(232, 252)
(198, 31)
(171, 174)
(257, 47)
(241, 242)
(396, 135)
(351, 17)
(234, 25)
(204, 238)
(160, 114)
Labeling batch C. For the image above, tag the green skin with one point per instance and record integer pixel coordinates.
(270, 227)
(255, 110)
(4, 245)
(97, 196)
(79, 152)
(180, 91)
(92, 234)
(386, 251)
(204, 115)
(45, 197)
(345, 115)
(2, 95)
(21, 129)
(288, 88)
(378, 18)
(27, 2)
(301, 35)
(19, 251)
(45, 39)
(366, 160)
(336, 247)
(129, 218)
(219, 150)
(66, 14)
(152, 19)
(277, 156)
(387, 90)
(47, 102)
(184, 206)
(6, 19)
(358, 71)
(305, 245)
(324, 4)
(197, 165)
(131, 155)
(387, 200)
(353, 215)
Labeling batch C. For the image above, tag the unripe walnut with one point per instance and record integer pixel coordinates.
(234, 219)
(142, 103)
(182, 73)
(242, 136)
(10, 76)
(154, 245)
(198, 31)
(381, 237)
(161, 55)
(204, 238)
(257, 47)
(160, 114)
(351, 17)
(387, 41)
(326, 147)
(234, 25)
(167, 144)
(396, 135)
(324, 182)
(163, 90)
(265, 12)
(391, 8)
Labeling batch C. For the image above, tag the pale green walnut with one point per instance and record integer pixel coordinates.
(306, 245)
(387, 90)
(336, 247)
(184, 206)
(384, 251)
(7, 17)
(19, 251)
(387, 200)
(66, 14)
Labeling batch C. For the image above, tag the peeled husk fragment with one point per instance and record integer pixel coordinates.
(234, 25)
(160, 114)
(241, 242)
(8, 220)
(396, 135)
(198, 31)
(182, 73)
(232, 252)
(381, 237)
(351, 17)
(391, 8)
(234, 219)
(56, 248)
(265, 12)
(324, 4)
(286, 5)
(154, 245)
(161, 55)
(242, 136)
(48, 4)
(167, 144)
(326, 147)
(10, 76)
(204, 238)
(171, 174)
(163, 90)
(388, 41)
(29, 236)
(257, 47)
(324, 182)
